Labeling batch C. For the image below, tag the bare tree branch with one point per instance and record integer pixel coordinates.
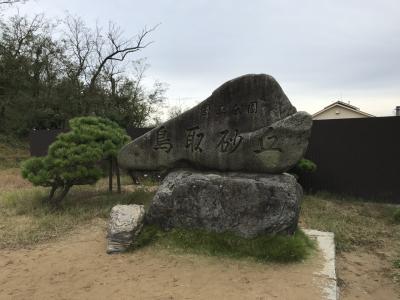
(11, 2)
(118, 50)
(23, 31)
(79, 43)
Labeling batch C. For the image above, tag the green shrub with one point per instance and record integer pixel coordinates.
(396, 263)
(305, 166)
(396, 215)
(106, 134)
(73, 158)
(265, 248)
(302, 168)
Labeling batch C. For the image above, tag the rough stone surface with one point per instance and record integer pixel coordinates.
(126, 221)
(247, 204)
(247, 124)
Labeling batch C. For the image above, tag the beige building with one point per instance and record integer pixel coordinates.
(340, 110)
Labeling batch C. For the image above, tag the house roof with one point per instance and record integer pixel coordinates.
(344, 105)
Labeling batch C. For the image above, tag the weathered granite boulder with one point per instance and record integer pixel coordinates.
(246, 204)
(125, 224)
(247, 124)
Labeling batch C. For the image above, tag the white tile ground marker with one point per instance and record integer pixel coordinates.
(327, 275)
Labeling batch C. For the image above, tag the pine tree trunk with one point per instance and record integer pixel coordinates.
(52, 192)
(61, 196)
(118, 176)
(110, 175)
(135, 179)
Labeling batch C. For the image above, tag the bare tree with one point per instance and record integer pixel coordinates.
(4, 4)
(10, 2)
(29, 44)
(133, 97)
(174, 111)
(58, 70)
(22, 32)
(111, 74)
(114, 48)
(79, 46)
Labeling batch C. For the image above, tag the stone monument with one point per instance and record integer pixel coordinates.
(227, 157)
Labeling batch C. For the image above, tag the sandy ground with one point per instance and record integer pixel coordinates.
(365, 276)
(78, 268)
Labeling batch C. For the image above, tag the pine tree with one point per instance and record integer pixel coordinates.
(73, 159)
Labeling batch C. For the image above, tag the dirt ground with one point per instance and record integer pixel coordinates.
(365, 276)
(78, 268)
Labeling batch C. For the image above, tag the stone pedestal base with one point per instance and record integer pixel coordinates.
(243, 203)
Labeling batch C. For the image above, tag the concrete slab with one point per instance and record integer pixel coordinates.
(327, 276)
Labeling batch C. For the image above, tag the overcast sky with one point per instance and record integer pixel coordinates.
(320, 51)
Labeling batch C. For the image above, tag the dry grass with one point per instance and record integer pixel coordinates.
(359, 227)
(11, 179)
(12, 152)
(26, 220)
(354, 222)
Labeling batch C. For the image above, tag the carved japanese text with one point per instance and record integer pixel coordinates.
(229, 143)
(163, 142)
(193, 139)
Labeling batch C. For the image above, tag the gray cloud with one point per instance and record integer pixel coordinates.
(318, 50)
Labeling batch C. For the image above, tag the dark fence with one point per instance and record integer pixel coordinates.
(40, 140)
(359, 157)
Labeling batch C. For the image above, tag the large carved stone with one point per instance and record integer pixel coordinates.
(247, 124)
(246, 204)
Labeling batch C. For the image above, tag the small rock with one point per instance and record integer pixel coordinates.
(245, 280)
(126, 221)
